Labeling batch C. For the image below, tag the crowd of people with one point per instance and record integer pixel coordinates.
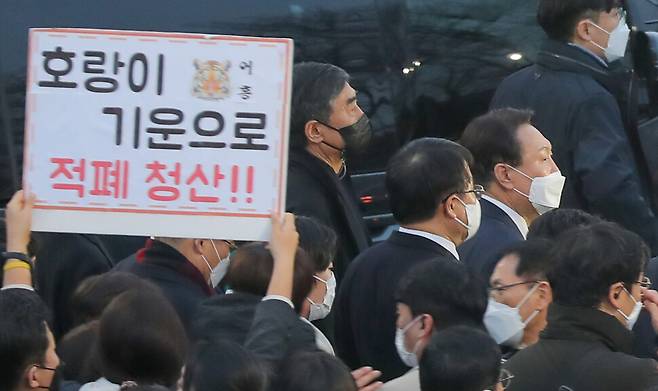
(522, 259)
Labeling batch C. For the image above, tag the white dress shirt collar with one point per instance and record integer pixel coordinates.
(440, 240)
(518, 220)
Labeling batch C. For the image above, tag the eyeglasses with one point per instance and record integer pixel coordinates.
(504, 379)
(645, 283)
(46, 368)
(477, 190)
(231, 245)
(503, 288)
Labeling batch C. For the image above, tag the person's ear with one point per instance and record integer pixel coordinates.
(545, 293)
(426, 325)
(312, 132)
(501, 175)
(31, 377)
(449, 207)
(583, 30)
(197, 245)
(614, 294)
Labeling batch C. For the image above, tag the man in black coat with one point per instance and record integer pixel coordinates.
(512, 159)
(577, 101)
(433, 198)
(598, 291)
(325, 121)
(186, 271)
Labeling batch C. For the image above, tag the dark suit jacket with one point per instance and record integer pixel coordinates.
(497, 231)
(365, 305)
(180, 281)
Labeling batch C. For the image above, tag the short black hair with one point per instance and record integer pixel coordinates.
(318, 240)
(96, 292)
(552, 224)
(559, 18)
(460, 358)
(23, 334)
(141, 338)
(251, 269)
(314, 87)
(422, 174)
(314, 371)
(77, 349)
(224, 365)
(534, 257)
(492, 138)
(446, 290)
(590, 259)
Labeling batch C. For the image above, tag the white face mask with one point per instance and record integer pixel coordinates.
(505, 324)
(218, 272)
(408, 358)
(473, 215)
(320, 311)
(617, 40)
(545, 191)
(632, 317)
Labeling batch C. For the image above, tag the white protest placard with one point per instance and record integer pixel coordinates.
(163, 134)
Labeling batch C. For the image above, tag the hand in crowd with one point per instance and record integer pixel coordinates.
(285, 238)
(283, 246)
(19, 221)
(650, 301)
(365, 379)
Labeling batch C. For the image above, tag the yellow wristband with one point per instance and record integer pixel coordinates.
(16, 264)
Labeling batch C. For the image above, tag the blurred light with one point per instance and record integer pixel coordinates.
(406, 70)
(416, 63)
(515, 56)
(366, 199)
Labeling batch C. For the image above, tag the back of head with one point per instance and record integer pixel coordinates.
(460, 358)
(492, 139)
(446, 290)
(558, 18)
(251, 268)
(141, 339)
(590, 259)
(95, 293)
(224, 365)
(23, 335)
(317, 240)
(314, 371)
(422, 174)
(78, 350)
(314, 87)
(552, 224)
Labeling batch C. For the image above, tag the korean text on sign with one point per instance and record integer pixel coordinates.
(164, 134)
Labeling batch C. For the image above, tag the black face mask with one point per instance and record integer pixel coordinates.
(357, 136)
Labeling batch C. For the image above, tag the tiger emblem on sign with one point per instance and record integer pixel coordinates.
(211, 80)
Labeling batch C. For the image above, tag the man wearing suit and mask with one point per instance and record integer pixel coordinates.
(435, 201)
(513, 161)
